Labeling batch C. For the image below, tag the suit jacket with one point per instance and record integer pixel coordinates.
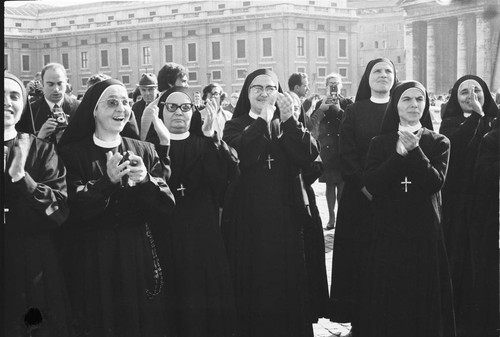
(41, 111)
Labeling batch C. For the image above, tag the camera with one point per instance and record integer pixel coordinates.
(332, 94)
(61, 118)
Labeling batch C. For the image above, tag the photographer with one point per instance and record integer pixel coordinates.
(49, 115)
(327, 117)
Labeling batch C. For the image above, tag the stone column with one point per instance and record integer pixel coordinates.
(461, 47)
(431, 58)
(483, 45)
(408, 43)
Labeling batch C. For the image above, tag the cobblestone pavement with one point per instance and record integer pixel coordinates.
(325, 328)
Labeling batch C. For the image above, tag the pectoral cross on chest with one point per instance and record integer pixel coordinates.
(269, 160)
(181, 189)
(406, 182)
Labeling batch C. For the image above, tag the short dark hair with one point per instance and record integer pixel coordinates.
(296, 79)
(53, 65)
(208, 90)
(168, 75)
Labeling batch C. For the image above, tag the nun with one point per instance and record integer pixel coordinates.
(202, 165)
(34, 298)
(362, 121)
(264, 211)
(117, 197)
(408, 289)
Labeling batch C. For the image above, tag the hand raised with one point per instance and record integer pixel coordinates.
(410, 140)
(148, 116)
(20, 152)
(48, 128)
(114, 169)
(211, 108)
(476, 105)
(285, 104)
(137, 169)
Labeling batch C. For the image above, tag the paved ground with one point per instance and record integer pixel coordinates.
(325, 328)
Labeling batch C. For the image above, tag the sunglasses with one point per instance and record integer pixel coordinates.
(172, 107)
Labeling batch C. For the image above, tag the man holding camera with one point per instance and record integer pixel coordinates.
(328, 116)
(49, 115)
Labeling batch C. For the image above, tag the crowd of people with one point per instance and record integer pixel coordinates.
(181, 215)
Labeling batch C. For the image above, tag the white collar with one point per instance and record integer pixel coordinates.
(107, 144)
(380, 100)
(11, 133)
(467, 114)
(51, 104)
(179, 136)
(253, 114)
(410, 128)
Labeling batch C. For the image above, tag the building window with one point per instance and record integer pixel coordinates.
(191, 32)
(312, 3)
(321, 72)
(241, 73)
(85, 60)
(125, 79)
(266, 26)
(71, 22)
(104, 40)
(300, 26)
(246, 3)
(83, 42)
(153, 13)
(240, 28)
(343, 72)
(26, 62)
(342, 48)
(321, 47)
(46, 59)
(52, 24)
(131, 16)
(222, 6)
(18, 24)
(191, 52)
(197, 8)
(192, 76)
(399, 59)
(240, 49)
(216, 75)
(361, 45)
(175, 11)
(125, 57)
(146, 55)
(267, 47)
(376, 44)
(334, 4)
(169, 53)
(215, 50)
(84, 81)
(342, 29)
(301, 69)
(104, 58)
(384, 44)
(321, 27)
(46, 45)
(65, 60)
(168, 34)
(6, 61)
(300, 46)
(25, 45)
(146, 36)
(91, 19)
(111, 17)
(64, 44)
(215, 30)
(124, 38)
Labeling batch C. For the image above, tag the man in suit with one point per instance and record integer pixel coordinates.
(148, 86)
(50, 114)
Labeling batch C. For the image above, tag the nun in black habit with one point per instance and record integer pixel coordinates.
(362, 121)
(117, 196)
(408, 289)
(466, 120)
(33, 293)
(264, 212)
(202, 164)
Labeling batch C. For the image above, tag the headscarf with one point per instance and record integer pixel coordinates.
(391, 117)
(453, 108)
(82, 124)
(196, 124)
(26, 113)
(364, 90)
(243, 105)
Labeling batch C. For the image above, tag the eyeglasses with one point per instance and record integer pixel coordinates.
(258, 89)
(172, 107)
(215, 93)
(113, 102)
